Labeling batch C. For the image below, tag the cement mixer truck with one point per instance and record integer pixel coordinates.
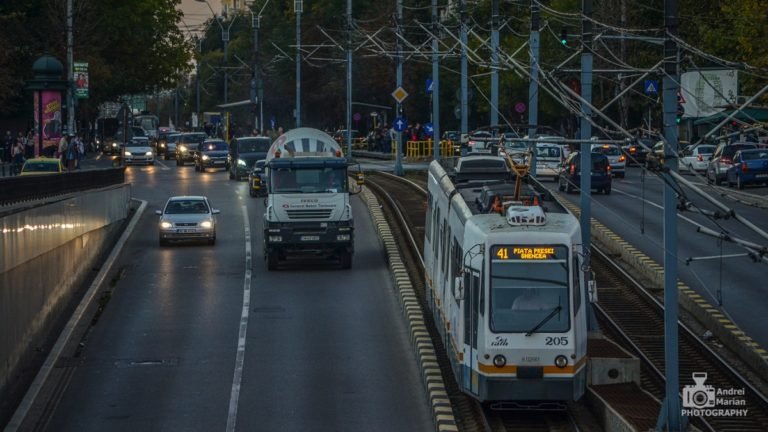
(307, 209)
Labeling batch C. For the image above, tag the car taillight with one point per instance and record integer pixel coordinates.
(471, 143)
(622, 158)
(744, 167)
(699, 158)
(608, 169)
(632, 150)
(726, 160)
(573, 169)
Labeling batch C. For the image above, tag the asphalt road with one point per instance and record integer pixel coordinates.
(325, 349)
(634, 211)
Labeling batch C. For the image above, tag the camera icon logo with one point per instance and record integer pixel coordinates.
(698, 395)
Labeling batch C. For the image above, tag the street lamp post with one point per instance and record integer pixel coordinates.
(225, 40)
(298, 8)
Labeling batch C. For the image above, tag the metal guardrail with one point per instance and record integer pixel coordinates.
(18, 189)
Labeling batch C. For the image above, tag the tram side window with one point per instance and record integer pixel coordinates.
(446, 245)
(428, 221)
(435, 234)
(576, 283)
(481, 287)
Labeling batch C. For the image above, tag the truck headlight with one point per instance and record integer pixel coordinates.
(206, 224)
(342, 237)
(149, 153)
(165, 224)
(241, 162)
(127, 153)
(275, 239)
(205, 157)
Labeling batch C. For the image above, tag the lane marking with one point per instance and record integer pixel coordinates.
(690, 221)
(69, 328)
(163, 166)
(234, 396)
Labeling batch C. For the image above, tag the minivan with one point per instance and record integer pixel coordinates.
(570, 173)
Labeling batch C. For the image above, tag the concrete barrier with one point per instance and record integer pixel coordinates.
(47, 250)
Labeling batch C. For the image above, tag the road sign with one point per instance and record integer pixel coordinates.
(400, 124)
(430, 85)
(356, 117)
(399, 94)
(519, 107)
(650, 87)
(428, 129)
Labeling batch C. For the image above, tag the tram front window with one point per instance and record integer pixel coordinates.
(526, 288)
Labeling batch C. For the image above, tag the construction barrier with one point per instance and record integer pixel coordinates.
(423, 149)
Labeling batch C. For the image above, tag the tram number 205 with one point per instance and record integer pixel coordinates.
(562, 340)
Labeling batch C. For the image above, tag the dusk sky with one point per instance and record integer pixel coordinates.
(196, 13)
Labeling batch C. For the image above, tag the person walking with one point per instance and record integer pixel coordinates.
(29, 145)
(71, 154)
(17, 157)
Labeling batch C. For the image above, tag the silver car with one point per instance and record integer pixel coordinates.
(187, 218)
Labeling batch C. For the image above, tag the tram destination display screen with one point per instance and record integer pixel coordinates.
(537, 252)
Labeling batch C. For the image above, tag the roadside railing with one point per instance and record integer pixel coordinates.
(18, 189)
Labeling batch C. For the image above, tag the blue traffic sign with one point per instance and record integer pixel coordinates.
(428, 129)
(650, 87)
(430, 85)
(400, 124)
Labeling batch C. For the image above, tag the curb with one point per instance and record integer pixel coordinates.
(432, 379)
(712, 318)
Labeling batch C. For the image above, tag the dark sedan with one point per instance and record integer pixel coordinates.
(244, 152)
(211, 154)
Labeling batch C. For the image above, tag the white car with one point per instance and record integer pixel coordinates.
(187, 218)
(697, 158)
(138, 150)
(549, 159)
(615, 157)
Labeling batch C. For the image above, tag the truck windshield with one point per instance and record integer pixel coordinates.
(308, 180)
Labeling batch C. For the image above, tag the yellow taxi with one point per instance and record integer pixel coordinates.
(41, 165)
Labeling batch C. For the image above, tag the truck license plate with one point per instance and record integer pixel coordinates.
(310, 238)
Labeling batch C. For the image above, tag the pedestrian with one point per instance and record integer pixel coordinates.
(63, 145)
(80, 150)
(18, 157)
(6, 146)
(29, 145)
(71, 154)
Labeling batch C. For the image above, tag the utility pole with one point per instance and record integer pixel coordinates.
(585, 128)
(225, 40)
(435, 86)
(298, 8)
(533, 86)
(399, 78)
(623, 108)
(349, 78)
(70, 69)
(197, 82)
(494, 62)
(256, 75)
(670, 415)
(464, 69)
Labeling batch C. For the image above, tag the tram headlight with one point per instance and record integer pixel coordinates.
(561, 361)
(499, 361)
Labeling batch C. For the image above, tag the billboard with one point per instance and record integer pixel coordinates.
(707, 92)
(81, 80)
(51, 117)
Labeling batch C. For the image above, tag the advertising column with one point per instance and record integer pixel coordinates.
(48, 122)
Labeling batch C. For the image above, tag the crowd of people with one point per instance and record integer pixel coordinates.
(16, 149)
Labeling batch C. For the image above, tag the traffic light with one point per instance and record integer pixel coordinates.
(679, 114)
(564, 36)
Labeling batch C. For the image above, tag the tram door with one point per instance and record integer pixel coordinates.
(471, 317)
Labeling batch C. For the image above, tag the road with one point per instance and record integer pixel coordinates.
(325, 349)
(634, 212)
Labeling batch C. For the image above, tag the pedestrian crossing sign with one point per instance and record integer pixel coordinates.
(651, 87)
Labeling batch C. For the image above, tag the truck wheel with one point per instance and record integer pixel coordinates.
(272, 261)
(345, 259)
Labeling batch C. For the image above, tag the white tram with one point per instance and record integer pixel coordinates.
(506, 284)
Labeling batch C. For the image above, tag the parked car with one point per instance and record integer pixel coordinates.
(42, 165)
(569, 178)
(244, 152)
(749, 167)
(615, 157)
(722, 159)
(696, 159)
(187, 218)
(211, 153)
(138, 150)
(187, 145)
(257, 179)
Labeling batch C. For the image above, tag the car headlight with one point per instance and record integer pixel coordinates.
(205, 157)
(561, 361)
(114, 144)
(149, 153)
(183, 148)
(127, 153)
(206, 224)
(162, 144)
(241, 162)
(165, 224)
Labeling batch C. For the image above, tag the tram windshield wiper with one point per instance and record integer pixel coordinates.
(546, 319)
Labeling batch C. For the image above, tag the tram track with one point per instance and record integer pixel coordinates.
(403, 202)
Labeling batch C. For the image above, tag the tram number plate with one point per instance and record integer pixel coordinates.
(563, 340)
(310, 238)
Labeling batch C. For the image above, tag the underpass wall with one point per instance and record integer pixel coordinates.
(46, 252)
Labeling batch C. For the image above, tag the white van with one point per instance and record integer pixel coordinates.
(549, 158)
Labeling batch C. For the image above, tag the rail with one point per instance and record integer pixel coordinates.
(14, 190)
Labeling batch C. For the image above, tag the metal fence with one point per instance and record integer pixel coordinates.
(30, 188)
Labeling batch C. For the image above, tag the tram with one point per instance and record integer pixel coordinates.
(506, 282)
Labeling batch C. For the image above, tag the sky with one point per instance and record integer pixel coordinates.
(196, 13)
